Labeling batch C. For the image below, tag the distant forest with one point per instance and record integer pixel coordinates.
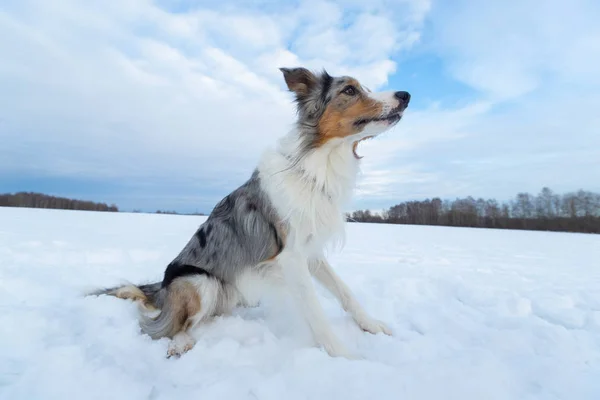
(39, 200)
(570, 212)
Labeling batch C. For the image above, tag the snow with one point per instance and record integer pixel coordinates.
(476, 314)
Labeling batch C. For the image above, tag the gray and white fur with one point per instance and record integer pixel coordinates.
(275, 227)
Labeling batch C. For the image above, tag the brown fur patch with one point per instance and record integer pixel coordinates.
(185, 302)
(131, 292)
(281, 231)
(272, 258)
(343, 111)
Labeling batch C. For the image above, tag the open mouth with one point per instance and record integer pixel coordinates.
(355, 146)
(391, 118)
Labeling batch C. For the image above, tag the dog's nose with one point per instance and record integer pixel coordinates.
(404, 97)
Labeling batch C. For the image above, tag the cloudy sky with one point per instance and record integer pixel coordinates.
(167, 104)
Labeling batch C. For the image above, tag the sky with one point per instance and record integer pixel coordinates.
(168, 104)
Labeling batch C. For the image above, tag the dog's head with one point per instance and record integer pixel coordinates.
(340, 108)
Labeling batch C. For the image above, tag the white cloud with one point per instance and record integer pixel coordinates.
(508, 49)
(482, 150)
(534, 122)
(131, 89)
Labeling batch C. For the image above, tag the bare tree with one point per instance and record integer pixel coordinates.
(572, 212)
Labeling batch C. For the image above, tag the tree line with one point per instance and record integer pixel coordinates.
(39, 200)
(570, 212)
(169, 212)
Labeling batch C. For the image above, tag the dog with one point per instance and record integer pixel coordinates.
(276, 226)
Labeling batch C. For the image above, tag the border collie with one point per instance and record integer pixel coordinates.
(275, 227)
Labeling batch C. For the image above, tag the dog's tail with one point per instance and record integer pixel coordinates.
(150, 296)
(183, 303)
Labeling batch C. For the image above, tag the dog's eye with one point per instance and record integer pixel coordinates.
(349, 90)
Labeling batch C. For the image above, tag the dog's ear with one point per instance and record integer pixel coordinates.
(299, 80)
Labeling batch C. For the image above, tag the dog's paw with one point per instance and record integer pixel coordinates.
(336, 349)
(181, 343)
(373, 326)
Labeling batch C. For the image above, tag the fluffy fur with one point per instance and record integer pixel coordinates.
(274, 229)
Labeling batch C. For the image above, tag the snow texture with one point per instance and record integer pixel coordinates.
(476, 314)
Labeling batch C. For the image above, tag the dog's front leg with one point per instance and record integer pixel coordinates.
(323, 272)
(297, 276)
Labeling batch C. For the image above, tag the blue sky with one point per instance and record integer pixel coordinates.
(168, 104)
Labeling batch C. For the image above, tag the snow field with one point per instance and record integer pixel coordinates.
(476, 314)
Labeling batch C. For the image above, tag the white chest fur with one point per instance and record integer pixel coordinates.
(310, 195)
